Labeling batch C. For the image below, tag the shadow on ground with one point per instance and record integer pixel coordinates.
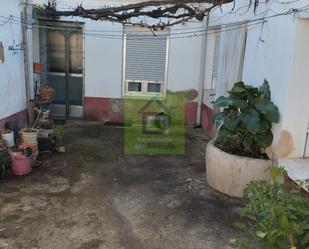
(94, 197)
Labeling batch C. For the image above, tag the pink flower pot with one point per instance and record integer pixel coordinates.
(21, 165)
(34, 147)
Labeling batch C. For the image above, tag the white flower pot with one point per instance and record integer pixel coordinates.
(230, 174)
(8, 139)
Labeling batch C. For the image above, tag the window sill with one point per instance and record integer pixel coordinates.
(143, 95)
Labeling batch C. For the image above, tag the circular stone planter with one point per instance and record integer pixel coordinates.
(230, 174)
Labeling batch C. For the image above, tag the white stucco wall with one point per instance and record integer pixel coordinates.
(185, 58)
(104, 61)
(271, 54)
(296, 118)
(12, 86)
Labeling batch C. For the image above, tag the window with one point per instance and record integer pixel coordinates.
(212, 57)
(154, 87)
(231, 58)
(134, 86)
(215, 64)
(145, 61)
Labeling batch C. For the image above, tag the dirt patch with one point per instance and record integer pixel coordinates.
(93, 196)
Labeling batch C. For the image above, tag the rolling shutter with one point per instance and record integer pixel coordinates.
(145, 56)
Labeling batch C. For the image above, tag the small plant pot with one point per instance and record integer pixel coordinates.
(46, 93)
(21, 164)
(8, 138)
(29, 136)
(43, 133)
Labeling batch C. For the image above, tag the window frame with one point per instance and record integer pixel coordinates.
(213, 46)
(144, 88)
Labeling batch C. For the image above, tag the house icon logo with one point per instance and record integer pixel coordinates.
(156, 117)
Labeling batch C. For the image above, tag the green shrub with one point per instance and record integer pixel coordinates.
(277, 215)
(5, 162)
(57, 135)
(245, 119)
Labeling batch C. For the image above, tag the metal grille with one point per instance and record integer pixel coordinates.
(145, 55)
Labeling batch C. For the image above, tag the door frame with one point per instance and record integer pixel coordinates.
(62, 25)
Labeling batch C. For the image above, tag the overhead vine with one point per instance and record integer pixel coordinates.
(165, 12)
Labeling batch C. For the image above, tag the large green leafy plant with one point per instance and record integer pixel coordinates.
(245, 119)
(277, 215)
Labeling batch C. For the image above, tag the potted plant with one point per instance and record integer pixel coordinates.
(237, 155)
(29, 135)
(5, 161)
(46, 93)
(33, 147)
(8, 137)
(45, 127)
(53, 141)
(22, 159)
(56, 137)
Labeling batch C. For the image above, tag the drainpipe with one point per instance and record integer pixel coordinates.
(202, 75)
(28, 60)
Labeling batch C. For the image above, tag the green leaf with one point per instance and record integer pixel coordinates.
(252, 90)
(233, 123)
(248, 141)
(268, 109)
(251, 121)
(305, 239)
(264, 140)
(265, 90)
(283, 221)
(239, 87)
(265, 125)
(219, 118)
(240, 225)
(260, 234)
(223, 135)
(239, 103)
(222, 102)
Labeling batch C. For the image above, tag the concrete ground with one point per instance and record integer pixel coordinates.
(94, 197)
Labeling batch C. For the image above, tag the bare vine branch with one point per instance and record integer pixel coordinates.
(166, 12)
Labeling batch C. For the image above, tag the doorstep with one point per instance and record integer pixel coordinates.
(297, 168)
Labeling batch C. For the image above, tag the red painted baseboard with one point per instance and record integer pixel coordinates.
(111, 109)
(191, 112)
(105, 109)
(207, 121)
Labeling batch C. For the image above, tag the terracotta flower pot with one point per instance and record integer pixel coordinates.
(46, 93)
